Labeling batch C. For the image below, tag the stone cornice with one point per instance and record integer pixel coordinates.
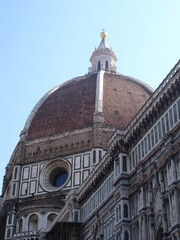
(58, 136)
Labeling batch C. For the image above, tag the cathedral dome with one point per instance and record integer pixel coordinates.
(71, 106)
(75, 104)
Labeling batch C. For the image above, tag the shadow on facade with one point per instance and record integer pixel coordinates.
(159, 235)
(64, 231)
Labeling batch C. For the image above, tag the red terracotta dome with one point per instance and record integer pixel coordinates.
(72, 105)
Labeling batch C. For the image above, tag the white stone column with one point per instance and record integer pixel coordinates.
(43, 220)
(26, 223)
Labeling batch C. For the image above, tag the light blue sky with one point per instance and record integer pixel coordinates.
(46, 42)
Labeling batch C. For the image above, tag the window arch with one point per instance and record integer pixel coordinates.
(159, 235)
(33, 223)
(50, 218)
(21, 225)
(106, 65)
(99, 65)
(126, 235)
(126, 210)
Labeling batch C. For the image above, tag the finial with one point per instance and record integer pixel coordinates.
(103, 33)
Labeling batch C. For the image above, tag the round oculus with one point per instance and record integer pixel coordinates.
(55, 175)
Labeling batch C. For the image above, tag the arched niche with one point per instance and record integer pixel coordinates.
(33, 223)
(159, 234)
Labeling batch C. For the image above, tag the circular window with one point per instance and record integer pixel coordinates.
(55, 175)
(58, 177)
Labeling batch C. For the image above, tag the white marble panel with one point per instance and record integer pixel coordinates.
(24, 188)
(85, 174)
(32, 187)
(86, 160)
(34, 170)
(25, 173)
(77, 162)
(77, 178)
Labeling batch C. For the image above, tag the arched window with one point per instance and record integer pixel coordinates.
(118, 236)
(50, 219)
(159, 235)
(99, 65)
(120, 211)
(33, 223)
(10, 219)
(106, 65)
(8, 233)
(124, 163)
(117, 214)
(126, 235)
(125, 210)
(20, 225)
